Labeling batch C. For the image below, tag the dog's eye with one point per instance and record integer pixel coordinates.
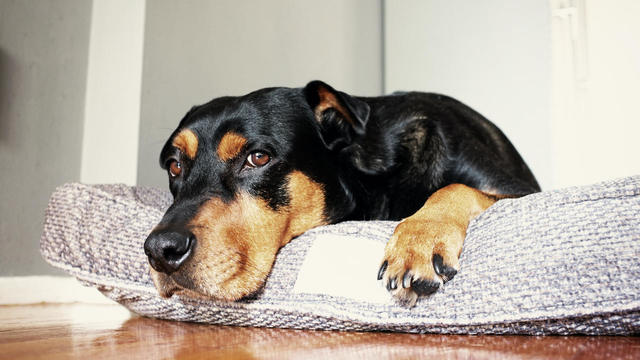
(257, 159)
(175, 168)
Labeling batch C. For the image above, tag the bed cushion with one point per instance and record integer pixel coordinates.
(556, 262)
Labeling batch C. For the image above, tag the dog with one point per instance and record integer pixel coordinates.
(250, 173)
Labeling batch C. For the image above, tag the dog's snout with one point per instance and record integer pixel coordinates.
(168, 250)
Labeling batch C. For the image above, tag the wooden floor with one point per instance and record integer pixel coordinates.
(111, 332)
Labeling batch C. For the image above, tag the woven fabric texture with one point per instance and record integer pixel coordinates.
(556, 262)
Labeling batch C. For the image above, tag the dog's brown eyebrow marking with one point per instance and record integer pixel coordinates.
(187, 142)
(230, 146)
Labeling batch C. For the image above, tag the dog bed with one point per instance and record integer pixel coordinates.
(556, 262)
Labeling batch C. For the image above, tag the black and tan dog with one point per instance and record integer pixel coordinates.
(250, 173)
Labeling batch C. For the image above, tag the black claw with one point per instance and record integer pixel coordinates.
(424, 287)
(406, 279)
(392, 284)
(383, 268)
(445, 271)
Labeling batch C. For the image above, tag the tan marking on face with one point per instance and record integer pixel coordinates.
(230, 146)
(237, 242)
(187, 142)
(307, 204)
(329, 101)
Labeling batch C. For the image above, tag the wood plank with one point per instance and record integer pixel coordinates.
(82, 331)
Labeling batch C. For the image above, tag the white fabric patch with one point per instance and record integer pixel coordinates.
(343, 266)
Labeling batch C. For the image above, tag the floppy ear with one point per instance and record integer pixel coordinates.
(341, 117)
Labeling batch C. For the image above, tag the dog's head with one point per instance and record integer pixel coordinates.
(247, 175)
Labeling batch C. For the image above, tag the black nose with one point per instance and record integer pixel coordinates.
(168, 250)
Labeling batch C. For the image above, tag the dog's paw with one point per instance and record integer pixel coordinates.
(420, 257)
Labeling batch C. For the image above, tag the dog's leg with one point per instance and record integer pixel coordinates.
(423, 252)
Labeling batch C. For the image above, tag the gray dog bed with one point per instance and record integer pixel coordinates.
(557, 262)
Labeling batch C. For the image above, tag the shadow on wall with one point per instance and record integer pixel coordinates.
(6, 68)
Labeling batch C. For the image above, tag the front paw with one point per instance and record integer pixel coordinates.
(420, 257)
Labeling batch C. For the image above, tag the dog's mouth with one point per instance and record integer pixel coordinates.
(164, 284)
(170, 285)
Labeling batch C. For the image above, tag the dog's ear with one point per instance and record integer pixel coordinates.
(341, 117)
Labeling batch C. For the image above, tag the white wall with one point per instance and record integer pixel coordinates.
(560, 78)
(197, 50)
(112, 106)
(596, 90)
(494, 55)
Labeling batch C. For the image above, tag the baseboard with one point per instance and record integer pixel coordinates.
(47, 289)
